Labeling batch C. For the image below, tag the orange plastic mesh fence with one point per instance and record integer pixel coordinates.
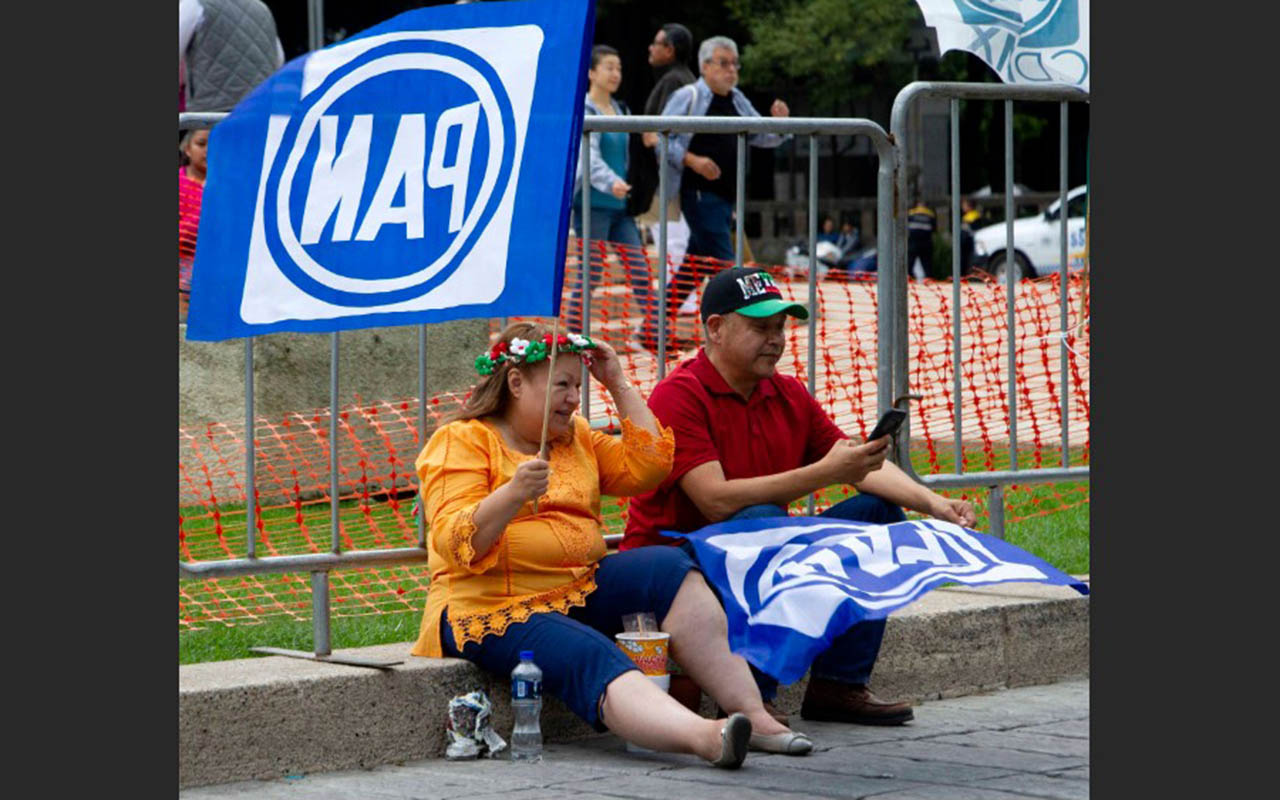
(379, 440)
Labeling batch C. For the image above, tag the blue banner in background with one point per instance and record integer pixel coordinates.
(791, 585)
(417, 172)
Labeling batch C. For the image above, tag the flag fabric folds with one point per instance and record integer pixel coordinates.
(416, 172)
(1024, 41)
(791, 585)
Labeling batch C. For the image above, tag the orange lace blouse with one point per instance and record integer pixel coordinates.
(541, 562)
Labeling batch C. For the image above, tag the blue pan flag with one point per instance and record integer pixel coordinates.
(417, 172)
(791, 585)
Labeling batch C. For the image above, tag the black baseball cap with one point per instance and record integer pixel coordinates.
(750, 292)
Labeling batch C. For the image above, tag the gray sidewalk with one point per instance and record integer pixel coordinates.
(1027, 742)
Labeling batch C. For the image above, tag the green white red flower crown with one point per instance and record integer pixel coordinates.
(524, 351)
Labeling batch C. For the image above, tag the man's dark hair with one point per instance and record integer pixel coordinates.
(600, 51)
(680, 39)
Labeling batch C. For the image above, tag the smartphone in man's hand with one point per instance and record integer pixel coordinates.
(888, 424)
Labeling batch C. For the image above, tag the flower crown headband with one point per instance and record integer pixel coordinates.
(524, 351)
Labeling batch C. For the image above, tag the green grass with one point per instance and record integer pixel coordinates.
(392, 519)
(1060, 536)
(224, 642)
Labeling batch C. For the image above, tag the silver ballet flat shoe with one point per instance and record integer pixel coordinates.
(789, 743)
(733, 741)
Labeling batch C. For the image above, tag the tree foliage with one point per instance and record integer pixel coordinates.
(834, 51)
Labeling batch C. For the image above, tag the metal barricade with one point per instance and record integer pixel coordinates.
(320, 564)
(892, 393)
(891, 319)
(741, 127)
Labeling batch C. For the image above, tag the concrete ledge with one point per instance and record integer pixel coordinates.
(268, 717)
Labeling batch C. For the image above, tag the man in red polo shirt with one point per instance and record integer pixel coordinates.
(749, 441)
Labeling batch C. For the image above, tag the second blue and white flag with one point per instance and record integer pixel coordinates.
(791, 585)
(1024, 41)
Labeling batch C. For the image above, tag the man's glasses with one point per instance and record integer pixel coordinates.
(723, 63)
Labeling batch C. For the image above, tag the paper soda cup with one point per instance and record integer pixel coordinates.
(647, 649)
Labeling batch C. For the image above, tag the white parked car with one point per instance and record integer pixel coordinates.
(1036, 240)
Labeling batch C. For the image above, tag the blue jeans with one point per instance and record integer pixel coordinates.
(612, 225)
(853, 653)
(575, 649)
(710, 219)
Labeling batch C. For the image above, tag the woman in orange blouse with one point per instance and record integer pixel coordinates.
(506, 578)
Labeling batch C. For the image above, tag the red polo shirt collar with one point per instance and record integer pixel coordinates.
(716, 384)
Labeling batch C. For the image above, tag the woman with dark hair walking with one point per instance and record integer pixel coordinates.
(610, 223)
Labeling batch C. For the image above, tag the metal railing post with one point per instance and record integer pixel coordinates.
(1010, 284)
(320, 613)
(995, 511)
(900, 274)
(662, 255)
(740, 205)
(333, 443)
(1064, 395)
(955, 278)
(886, 273)
(585, 294)
(315, 24)
(320, 580)
(250, 454)
(813, 277)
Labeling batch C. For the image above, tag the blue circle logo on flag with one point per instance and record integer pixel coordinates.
(388, 171)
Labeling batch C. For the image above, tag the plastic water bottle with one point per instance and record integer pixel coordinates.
(526, 702)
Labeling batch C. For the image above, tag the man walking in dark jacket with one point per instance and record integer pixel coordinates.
(669, 55)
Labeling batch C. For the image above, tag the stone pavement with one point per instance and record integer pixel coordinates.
(1028, 742)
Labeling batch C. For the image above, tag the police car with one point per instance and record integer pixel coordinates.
(1037, 241)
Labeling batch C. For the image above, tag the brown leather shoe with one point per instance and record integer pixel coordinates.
(832, 701)
(775, 713)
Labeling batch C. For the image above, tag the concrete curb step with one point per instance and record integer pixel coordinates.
(268, 717)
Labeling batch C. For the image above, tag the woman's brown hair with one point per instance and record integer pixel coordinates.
(490, 395)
